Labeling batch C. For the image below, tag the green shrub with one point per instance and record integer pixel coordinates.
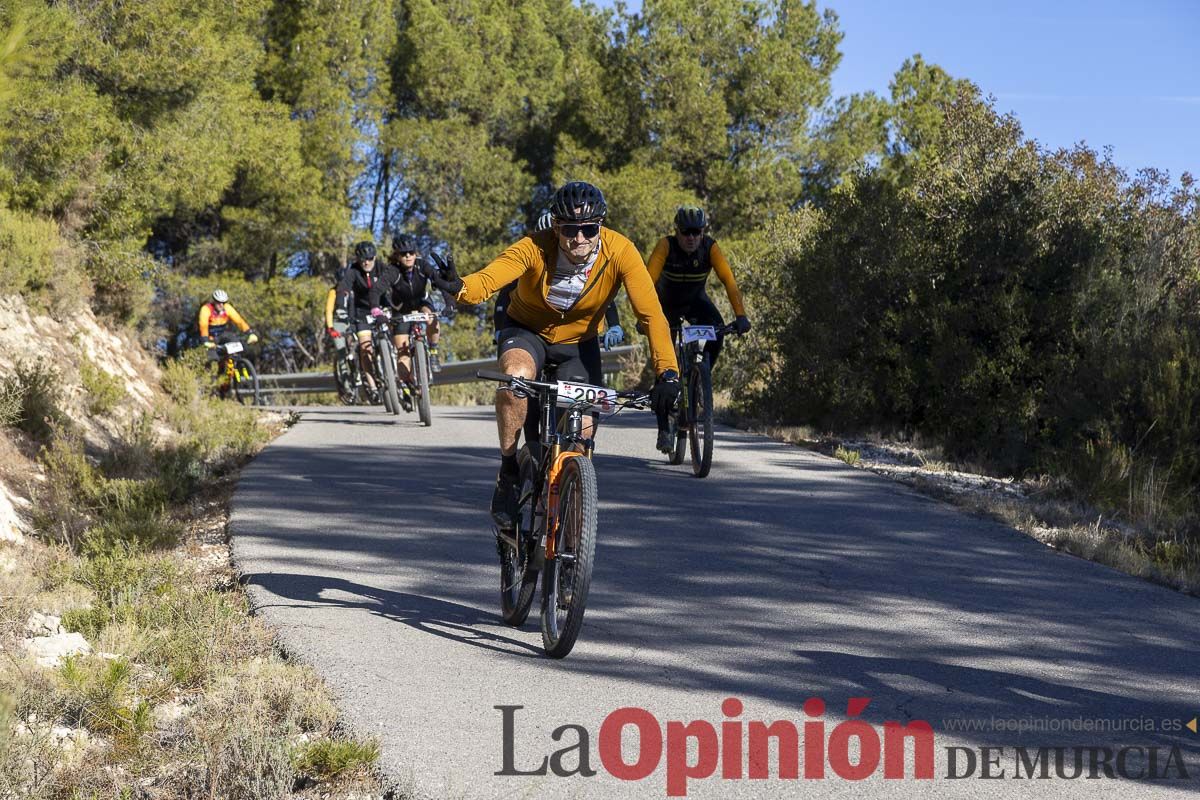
(87, 511)
(104, 391)
(328, 758)
(10, 404)
(35, 389)
(198, 634)
(1024, 309)
(185, 378)
(851, 457)
(38, 264)
(124, 279)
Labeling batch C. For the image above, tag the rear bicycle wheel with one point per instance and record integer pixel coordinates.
(244, 383)
(701, 434)
(420, 357)
(518, 575)
(387, 360)
(567, 579)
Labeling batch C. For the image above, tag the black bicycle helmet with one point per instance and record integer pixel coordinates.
(363, 251)
(690, 217)
(404, 243)
(578, 201)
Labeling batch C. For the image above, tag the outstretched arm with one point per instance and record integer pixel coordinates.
(504, 269)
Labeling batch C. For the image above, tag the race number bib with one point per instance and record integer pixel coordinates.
(233, 347)
(415, 318)
(594, 396)
(699, 333)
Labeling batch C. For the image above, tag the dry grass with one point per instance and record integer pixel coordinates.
(184, 694)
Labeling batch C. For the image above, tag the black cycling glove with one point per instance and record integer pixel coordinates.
(446, 277)
(664, 393)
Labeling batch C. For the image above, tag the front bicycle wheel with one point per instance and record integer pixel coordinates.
(420, 357)
(701, 434)
(387, 359)
(345, 379)
(679, 424)
(244, 383)
(518, 575)
(567, 578)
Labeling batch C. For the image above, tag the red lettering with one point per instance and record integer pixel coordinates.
(650, 743)
(894, 734)
(814, 739)
(678, 768)
(731, 739)
(787, 740)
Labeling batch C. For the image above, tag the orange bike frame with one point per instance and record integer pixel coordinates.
(553, 484)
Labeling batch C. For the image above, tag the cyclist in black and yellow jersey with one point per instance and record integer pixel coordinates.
(566, 277)
(680, 266)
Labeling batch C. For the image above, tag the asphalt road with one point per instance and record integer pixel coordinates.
(783, 576)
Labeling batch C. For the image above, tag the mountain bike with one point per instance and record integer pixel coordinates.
(418, 344)
(692, 422)
(555, 532)
(383, 361)
(236, 375)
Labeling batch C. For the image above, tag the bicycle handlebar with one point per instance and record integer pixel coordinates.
(633, 398)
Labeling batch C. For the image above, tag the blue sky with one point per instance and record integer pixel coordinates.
(1120, 74)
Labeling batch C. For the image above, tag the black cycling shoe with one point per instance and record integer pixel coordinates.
(666, 442)
(504, 501)
(435, 363)
(406, 399)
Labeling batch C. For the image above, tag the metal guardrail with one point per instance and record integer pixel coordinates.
(452, 372)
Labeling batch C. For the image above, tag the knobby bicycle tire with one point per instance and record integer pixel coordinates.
(344, 379)
(387, 359)
(679, 425)
(701, 433)
(420, 358)
(565, 584)
(518, 581)
(243, 387)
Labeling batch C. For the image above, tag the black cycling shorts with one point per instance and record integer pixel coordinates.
(577, 361)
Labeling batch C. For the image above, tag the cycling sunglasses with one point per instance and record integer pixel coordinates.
(692, 231)
(589, 229)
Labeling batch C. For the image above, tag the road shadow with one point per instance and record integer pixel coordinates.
(451, 621)
(784, 575)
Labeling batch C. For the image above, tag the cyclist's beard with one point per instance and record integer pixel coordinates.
(579, 260)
